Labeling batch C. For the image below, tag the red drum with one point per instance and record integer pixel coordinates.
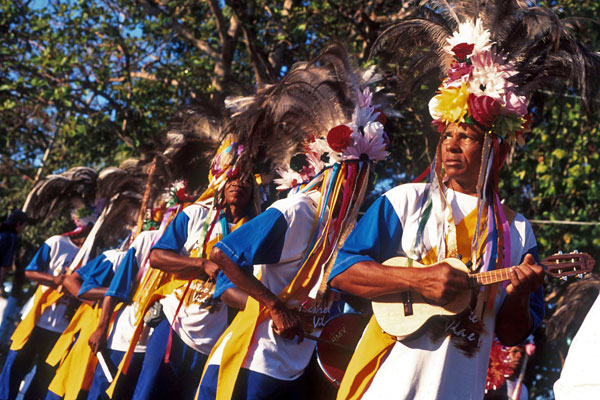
(338, 339)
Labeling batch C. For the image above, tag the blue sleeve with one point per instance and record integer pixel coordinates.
(96, 273)
(376, 237)
(536, 299)
(122, 283)
(175, 235)
(223, 283)
(259, 241)
(41, 260)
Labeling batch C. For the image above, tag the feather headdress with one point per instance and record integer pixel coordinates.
(190, 143)
(324, 110)
(495, 57)
(57, 191)
(282, 119)
(572, 307)
(87, 192)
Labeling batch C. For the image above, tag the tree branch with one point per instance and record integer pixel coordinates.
(214, 7)
(181, 29)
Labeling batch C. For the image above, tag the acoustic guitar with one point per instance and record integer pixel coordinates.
(403, 314)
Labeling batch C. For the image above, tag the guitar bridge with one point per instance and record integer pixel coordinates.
(407, 301)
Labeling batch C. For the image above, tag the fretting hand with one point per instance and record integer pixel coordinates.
(525, 278)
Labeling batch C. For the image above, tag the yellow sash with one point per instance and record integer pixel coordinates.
(158, 294)
(76, 362)
(375, 344)
(41, 301)
(146, 303)
(77, 365)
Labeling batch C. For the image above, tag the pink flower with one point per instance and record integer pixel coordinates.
(462, 50)
(530, 349)
(514, 104)
(338, 138)
(484, 109)
(459, 71)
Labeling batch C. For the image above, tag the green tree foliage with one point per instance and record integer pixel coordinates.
(555, 177)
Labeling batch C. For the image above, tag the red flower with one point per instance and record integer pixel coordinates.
(182, 197)
(462, 50)
(484, 109)
(440, 126)
(381, 118)
(181, 194)
(338, 138)
(528, 123)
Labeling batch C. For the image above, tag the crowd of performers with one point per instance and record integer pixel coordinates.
(222, 297)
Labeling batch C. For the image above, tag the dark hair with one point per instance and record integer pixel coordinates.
(16, 216)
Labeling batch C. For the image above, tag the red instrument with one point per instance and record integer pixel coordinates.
(337, 342)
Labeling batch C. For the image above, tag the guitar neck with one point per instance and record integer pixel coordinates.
(490, 277)
(557, 266)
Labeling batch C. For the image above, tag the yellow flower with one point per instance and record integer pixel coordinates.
(451, 105)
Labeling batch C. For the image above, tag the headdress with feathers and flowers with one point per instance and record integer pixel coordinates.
(324, 110)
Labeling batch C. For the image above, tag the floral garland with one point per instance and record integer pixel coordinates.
(499, 367)
(173, 196)
(478, 89)
(364, 138)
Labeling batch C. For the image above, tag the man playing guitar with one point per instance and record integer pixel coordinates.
(449, 358)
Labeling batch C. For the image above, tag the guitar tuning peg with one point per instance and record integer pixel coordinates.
(576, 251)
(563, 278)
(580, 276)
(560, 253)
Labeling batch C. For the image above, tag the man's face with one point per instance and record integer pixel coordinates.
(461, 154)
(20, 227)
(237, 191)
(515, 357)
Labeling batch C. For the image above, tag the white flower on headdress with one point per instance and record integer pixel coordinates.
(363, 112)
(434, 108)
(372, 143)
(289, 179)
(471, 33)
(489, 77)
(316, 150)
